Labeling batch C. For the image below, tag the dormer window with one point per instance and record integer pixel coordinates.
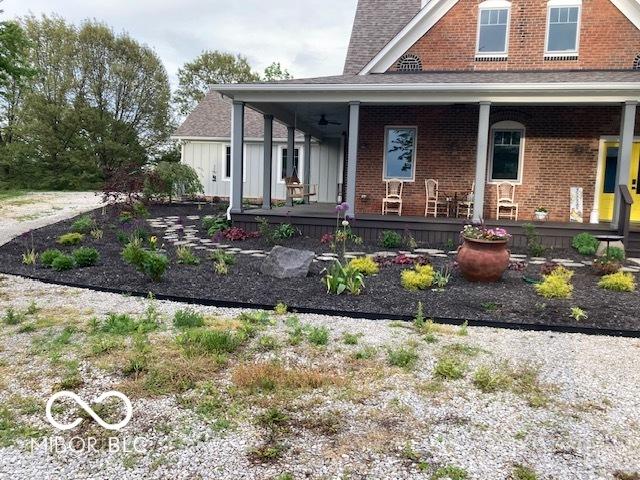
(563, 28)
(493, 29)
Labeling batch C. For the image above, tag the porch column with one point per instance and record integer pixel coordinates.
(267, 162)
(307, 163)
(237, 161)
(627, 130)
(352, 156)
(291, 145)
(481, 161)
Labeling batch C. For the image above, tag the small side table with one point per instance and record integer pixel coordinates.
(609, 239)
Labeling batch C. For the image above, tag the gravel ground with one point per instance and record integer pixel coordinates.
(34, 210)
(394, 422)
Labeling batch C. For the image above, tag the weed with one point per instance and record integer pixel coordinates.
(490, 306)
(520, 472)
(442, 277)
(419, 320)
(463, 331)
(350, 338)
(402, 357)
(13, 317)
(578, 314)
(450, 368)
(273, 376)
(280, 309)
(202, 341)
(123, 324)
(11, 430)
(104, 344)
(490, 379)
(365, 353)
(318, 336)
(523, 381)
(188, 318)
(450, 472)
(268, 343)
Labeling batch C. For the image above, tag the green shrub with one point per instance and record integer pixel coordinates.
(615, 253)
(585, 243)
(72, 238)
(201, 341)
(186, 256)
(420, 278)
(390, 239)
(402, 357)
(63, 262)
(83, 224)
(365, 265)
(133, 253)
(85, 256)
(556, 284)
(284, 231)
(618, 282)
(188, 318)
(172, 179)
(339, 279)
(214, 225)
(48, 256)
(154, 265)
(139, 210)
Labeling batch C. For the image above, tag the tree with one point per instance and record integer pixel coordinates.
(275, 72)
(196, 78)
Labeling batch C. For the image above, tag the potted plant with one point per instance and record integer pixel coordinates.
(541, 214)
(483, 256)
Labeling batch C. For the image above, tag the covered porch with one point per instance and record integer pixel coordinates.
(454, 117)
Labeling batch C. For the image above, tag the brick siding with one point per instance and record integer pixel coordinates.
(561, 151)
(608, 40)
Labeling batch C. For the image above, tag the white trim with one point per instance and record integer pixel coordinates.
(506, 126)
(301, 165)
(491, 5)
(563, 4)
(195, 138)
(413, 160)
(630, 9)
(410, 34)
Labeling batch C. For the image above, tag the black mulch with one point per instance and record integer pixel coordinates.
(511, 300)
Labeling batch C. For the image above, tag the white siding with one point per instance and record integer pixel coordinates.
(208, 157)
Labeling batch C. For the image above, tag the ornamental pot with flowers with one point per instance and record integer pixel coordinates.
(483, 257)
(541, 214)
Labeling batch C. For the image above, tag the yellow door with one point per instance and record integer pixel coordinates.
(609, 171)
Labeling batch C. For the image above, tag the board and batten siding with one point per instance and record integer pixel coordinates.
(207, 159)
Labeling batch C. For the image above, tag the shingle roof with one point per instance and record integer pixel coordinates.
(375, 24)
(566, 76)
(212, 119)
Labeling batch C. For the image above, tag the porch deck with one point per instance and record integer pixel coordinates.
(318, 218)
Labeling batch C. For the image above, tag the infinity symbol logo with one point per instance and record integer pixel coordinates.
(85, 406)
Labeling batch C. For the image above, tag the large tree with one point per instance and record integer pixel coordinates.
(196, 77)
(275, 72)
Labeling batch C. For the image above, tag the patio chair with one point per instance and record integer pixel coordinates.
(299, 191)
(433, 202)
(467, 205)
(506, 206)
(392, 202)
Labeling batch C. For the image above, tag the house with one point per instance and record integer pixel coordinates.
(205, 140)
(539, 93)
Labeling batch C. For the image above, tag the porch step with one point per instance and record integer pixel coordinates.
(633, 249)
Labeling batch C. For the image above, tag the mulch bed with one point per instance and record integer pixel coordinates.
(511, 300)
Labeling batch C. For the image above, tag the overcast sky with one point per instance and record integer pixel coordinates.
(308, 37)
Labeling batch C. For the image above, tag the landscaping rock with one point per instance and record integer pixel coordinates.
(285, 262)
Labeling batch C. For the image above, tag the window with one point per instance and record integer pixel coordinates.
(493, 28)
(563, 29)
(227, 162)
(400, 153)
(611, 170)
(283, 163)
(507, 148)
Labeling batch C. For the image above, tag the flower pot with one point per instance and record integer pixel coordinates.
(483, 260)
(541, 216)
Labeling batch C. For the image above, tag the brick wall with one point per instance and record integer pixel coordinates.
(561, 151)
(608, 40)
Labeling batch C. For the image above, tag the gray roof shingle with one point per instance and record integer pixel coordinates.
(375, 24)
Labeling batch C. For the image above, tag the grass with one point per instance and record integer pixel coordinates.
(450, 367)
(318, 336)
(11, 194)
(520, 472)
(12, 430)
(351, 338)
(450, 472)
(123, 324)
(205, 342)
(523, 381)
(274, 376)
(188, 318)
(402, 357)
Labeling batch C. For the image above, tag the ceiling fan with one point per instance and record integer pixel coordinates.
(324, 122)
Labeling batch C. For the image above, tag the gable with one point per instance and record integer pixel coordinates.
(443, 37)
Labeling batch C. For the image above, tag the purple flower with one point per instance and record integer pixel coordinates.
(343, 207)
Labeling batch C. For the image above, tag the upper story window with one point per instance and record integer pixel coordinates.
(493, 28)
(563, 27)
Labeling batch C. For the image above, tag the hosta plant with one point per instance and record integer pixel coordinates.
(340, 279)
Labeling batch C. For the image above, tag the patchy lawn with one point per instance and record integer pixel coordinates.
(221, 393)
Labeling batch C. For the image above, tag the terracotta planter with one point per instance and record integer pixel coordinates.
(483, 260)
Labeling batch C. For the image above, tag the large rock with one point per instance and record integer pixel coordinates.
(287, 263)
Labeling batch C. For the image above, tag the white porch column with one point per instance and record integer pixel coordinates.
(267, 162)
(307, 163)
(237, 160)
(291, 145)
(352, 156)
(627, 130)
(481, 161)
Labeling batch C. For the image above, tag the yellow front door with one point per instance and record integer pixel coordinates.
(608, 173)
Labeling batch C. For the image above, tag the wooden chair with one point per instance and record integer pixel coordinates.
(299, 191)
(506, 194)
(433, 202)
(392, 202)
(467, 204)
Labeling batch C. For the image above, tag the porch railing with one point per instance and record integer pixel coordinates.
(624, 221)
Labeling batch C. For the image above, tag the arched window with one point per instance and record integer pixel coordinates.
(506, 153)
(409, 63)
(493, 28)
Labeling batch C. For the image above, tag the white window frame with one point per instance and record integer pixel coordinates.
(301, 165)
(506, 126)
(563, 4)
(494, 5)
(224, 163)
(413, 160)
